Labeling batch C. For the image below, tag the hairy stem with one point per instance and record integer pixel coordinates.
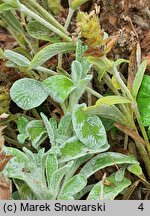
(68, 20)
(124, 88)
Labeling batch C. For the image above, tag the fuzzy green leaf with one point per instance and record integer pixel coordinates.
(58, 87)
(36, 132)
(21, 138)
(119, 176)
(65, 125)
(80, 49)
(112, 100)
(28, 93)
(38, 31)
(74, 185)
(57, 177)
(107, 111)
(89, 128)
(73, 149)
(138, 78)
(79, 90)
(51, 166)
(108, 192)
(104, 160)
(50, 51)
(6, 7)
(12, 21)
(49, 129)
(17, 58)
(135, 169)
(14, 168)
(76, 71)
(143, 100)
(21, 124)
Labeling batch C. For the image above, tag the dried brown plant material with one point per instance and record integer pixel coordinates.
(5, 188)
(4, 159)
(106, 46)
(145, 44)
(135, 60)
(130, 132)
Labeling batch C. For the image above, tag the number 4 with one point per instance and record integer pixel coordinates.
(141, 207)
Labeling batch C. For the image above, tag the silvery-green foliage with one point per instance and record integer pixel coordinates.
(100, 191)
(65, 126)
(49, 129)
(73, 148)
(28, 93)
(73, 186)
(76, 71)
(38, 31)
(21, 126)
(89, 128)
(60, 181)
(80, 49)
(106, 159)
(50, 51)
(58, 87)
(80, 87)
(29, 167)
(11, 20)
(17, 58)
(36, 132)
(51, 164)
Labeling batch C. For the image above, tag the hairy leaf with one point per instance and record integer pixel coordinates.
(37, 30)
(51, 166)
(111, 100)
(108, 192)
(79, 90)
(89, 128)
(50, 51)
(143, 100)
(74, 185)
(138, 78)
(49, 129)
(17, 58)
(58, 87)
(104, 160)
(36, 132)
(57, 177)
(76, 69)
(107, 111)
(28, 93)
(74, 148)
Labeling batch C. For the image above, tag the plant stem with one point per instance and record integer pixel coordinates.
(93, 92)
(35, 113)
(124, 88)
(122, 107)
(126, 141)
(14, 142)
(145, 157)
(27, 11)
(46, 70)
(70, 14)
(69, 17)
